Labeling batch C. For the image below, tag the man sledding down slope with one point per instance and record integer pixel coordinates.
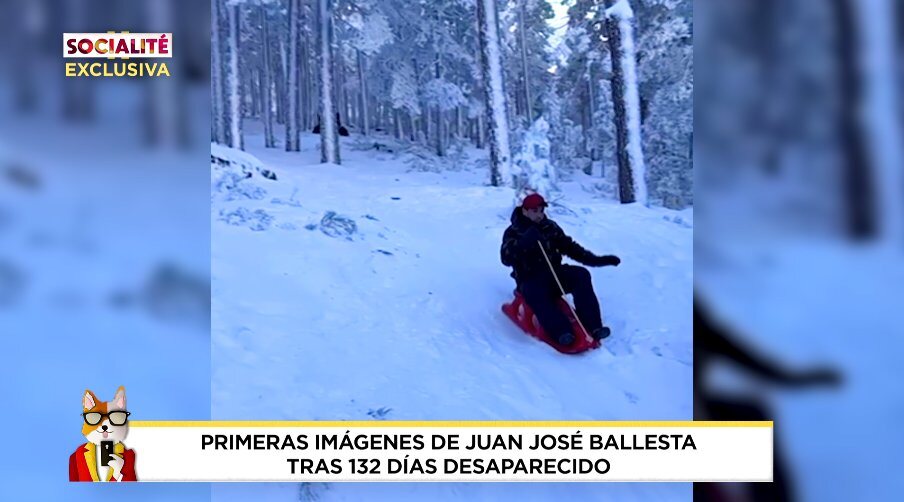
(535, 280)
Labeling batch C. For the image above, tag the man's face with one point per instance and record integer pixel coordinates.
(535, 215)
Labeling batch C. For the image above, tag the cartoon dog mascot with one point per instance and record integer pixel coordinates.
(103, 457)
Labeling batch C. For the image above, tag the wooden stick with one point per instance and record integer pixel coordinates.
(562, 290)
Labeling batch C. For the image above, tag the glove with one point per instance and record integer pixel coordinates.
(604, 261)
(818, 377)
(530, 237)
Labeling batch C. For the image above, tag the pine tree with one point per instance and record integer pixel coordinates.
(625, 97)
(538, 173)
(78, 94)
(501, 172)
(266, 77)
(440, 74)
(166, 122)
(329, 132)
(404, 94)
(665, 71)
(293, 116)
(233, 90)
(373, 33)
(218, 126)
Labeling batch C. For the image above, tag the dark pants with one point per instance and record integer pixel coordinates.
(541, 294)
(735, 409)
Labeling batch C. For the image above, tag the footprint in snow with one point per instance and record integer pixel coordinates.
(658, 351)
(380, 413)
(312, 491)
(618, 346)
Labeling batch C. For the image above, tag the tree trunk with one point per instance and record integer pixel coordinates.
(252, 92)
(78, 93)
(303, 76)
(166, 123)
(511, 96)
(883, 127)
(586, 136)
(397, 123)
(29, 35)
(310, 83)
(218, 133)
(522, 29)
(293, 141)
(501, 173)
(338, 81)
(282, 77)
(626, 103)
(479, 87)
(266, 78)
(591, 83)
(856, 162)
(346, 103)
(422, 119)
(329, 140)
(365, 127)
(234, 96)
(440, 146)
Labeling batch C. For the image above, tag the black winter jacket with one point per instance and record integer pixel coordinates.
(526, 260)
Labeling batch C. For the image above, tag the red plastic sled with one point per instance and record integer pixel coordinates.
(524, 317)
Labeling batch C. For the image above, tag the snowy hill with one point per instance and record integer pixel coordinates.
(372, 291)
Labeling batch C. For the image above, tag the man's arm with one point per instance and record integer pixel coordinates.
(509, 250)
(521, 249)
(713, 339)
(567, 245)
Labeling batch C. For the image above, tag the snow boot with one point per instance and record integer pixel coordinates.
(600, 333)
(566, 338)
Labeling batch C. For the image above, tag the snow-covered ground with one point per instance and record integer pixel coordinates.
(806, 302)
(400, 318)
(103, 282)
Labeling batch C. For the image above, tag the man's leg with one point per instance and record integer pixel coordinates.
(576, 280)
(748, 409)
(541, 299)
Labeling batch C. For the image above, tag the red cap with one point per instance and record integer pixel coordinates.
(533, 201)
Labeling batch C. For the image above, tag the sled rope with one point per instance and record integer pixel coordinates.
(561, 289)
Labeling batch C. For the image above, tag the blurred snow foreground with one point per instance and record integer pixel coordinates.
(103, 282)
(372, 291)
